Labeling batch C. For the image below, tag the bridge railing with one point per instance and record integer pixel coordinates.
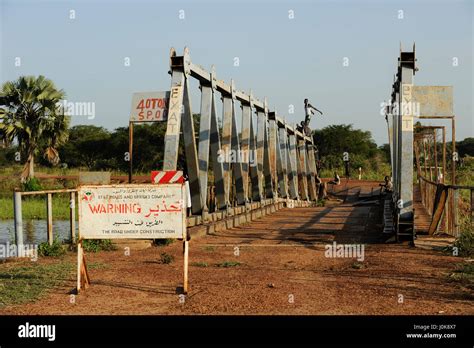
(18, 212)
(445, 205)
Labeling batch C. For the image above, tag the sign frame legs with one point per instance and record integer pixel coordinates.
(83, 279)
(186, 264)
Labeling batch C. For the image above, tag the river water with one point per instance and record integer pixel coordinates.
(34, 231)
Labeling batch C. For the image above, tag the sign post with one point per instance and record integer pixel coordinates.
(130, 151)
(144, 211)
(185, 267)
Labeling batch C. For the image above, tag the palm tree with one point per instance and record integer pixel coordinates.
(3, 138)
(31, 116)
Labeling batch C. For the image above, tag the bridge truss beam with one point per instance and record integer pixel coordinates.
(266, 159)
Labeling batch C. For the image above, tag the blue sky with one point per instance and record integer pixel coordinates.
(283, 59)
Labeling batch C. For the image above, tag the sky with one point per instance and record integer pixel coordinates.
(341, 55)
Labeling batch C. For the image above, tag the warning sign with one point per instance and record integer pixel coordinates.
(132, 211)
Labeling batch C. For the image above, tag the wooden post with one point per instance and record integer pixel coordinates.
(435, 154)
(18, 219)
(83, 279)
(430, 159)
(424, 155)
(444, 154)
(439, 202)
(130, 151)
(79, 265)
(453, 162)
(455, 212)
(72, 216)
(472, 206)
(49, 213)
(186, 259)
(85, 274)
(445, 215)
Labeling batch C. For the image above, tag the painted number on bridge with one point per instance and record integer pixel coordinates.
(150, 106)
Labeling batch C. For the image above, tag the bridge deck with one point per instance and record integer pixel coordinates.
(422, 218)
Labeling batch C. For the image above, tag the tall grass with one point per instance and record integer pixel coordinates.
(25, 282)
(367, 173)
(35, 207)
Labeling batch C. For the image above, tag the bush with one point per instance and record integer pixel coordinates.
(163, 242)
(227, 264)
(465, 244)
(96, 245)
(54, 250)
(166, 258)
(199, 264)
(464, 273)
(32, 184)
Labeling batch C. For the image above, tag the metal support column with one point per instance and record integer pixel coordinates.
(272, 137)
(292, 161)
(282, 139)
(235, 144)
(311, 170)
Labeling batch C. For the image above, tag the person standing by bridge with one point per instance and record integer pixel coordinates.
(336, 180)
(309, 111)
(387, 186)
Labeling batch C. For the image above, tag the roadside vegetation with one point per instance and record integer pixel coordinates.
(96, 245)
(26, 281)
(227, 264)
(55, 249)
(464, 274)
(337, 141)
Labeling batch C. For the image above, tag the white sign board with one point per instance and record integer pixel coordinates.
(434, 100)
(132, 211)
(150, 106)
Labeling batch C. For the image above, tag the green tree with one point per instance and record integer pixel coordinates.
(385, 150)
(99, 149)
(148, 147)
(334, 140)
(31, 116)
(465, 147)
(87, 146)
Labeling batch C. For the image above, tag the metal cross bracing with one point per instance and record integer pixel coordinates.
(285, 161)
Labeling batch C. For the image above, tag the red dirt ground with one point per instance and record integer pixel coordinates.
(283, 270)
